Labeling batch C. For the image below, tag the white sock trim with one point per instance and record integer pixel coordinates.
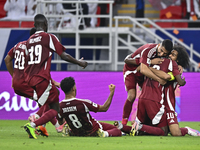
(33, 124)
(57, 125)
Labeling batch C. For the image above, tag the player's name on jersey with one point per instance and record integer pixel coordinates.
(22, 46)
(69, 109)
(34, 40)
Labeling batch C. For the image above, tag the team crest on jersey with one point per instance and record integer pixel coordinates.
(94, 104)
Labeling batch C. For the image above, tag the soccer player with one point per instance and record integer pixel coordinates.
(179, 55)
(75, 111)
(17, 53)
(143, 55)
(20, 86)
(40, 47)
(151, 109)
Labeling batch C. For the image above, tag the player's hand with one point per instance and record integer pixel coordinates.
(57, 84)
(184, 82)
(111, 87)
(156, 61)
(161, 81)
(83, 63)
(138, 69)
(180, 68)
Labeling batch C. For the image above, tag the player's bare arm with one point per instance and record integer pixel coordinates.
(181, 81)
(161, 74)
(180, 68)
(9, 64)
(57, 84)
(147, 72)
(165, 76)
(69, 58)
(106, 105)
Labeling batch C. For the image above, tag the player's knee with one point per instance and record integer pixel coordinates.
(131, 97)
(55, 106)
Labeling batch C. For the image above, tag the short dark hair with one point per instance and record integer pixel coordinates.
(67, 84)
(183, 57)
(39, 20)
(32, 31)
(168, 45)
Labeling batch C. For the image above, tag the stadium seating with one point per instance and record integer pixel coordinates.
(172, 12)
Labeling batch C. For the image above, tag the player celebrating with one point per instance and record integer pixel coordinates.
(179, 55)
(76, 113)
(20, 86)
(143, 55)
(17, 53)
(40, 47)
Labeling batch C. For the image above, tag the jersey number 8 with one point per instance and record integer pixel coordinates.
(75, 121)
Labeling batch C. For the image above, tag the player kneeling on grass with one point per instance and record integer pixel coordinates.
(75, 112)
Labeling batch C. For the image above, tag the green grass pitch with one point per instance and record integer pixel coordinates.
(14, 137)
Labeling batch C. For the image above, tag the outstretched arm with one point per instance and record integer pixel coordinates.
(9, 64)
(69, 58)
(106, 105)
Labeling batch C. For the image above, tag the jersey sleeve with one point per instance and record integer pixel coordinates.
(11, 52)
(55, 45)
(92, 106)
(145, 57)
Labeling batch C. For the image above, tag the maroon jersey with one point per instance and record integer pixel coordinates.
(76, 113)
(18, 53)
(170, 95)
(18, 81)
(40, 47)
(144, 53)
(152, 90)
(170, 102)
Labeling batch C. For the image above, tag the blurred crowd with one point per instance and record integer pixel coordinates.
(190, 8)
(27, 9)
